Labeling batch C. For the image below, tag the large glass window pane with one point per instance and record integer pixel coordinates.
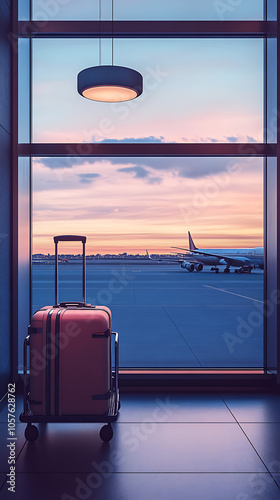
(54, 10)
(166, 315)
(271, 7)
(271, 83)
(24, 10)
(195, 90)
(147, 10)
(24, 90)
(24, 253)
(180, 9)
(271, 289)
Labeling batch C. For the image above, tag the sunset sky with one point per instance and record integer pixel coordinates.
(195, 90)
(128, 205)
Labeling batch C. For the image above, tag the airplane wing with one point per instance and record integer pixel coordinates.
(200, 252)
(233, 261)
(164, 259)
(173, 260)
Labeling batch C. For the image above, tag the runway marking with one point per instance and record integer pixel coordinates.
(231, 293)
(180, 333)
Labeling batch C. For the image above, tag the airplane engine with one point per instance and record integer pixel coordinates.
(188, 266)
(198, 267)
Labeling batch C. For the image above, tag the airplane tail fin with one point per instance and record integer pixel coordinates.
(148, 255)
(191, 243)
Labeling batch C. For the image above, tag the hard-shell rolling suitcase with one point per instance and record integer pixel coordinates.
(71, 377)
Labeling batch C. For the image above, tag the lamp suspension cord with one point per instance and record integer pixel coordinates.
(112, 32)
(99, 18)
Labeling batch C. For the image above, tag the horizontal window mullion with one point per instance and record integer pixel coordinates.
(147, 29)
(148, 149)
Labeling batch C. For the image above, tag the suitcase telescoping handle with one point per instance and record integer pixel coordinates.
(83, 239)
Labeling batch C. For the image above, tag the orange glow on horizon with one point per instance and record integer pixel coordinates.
(130, 207)
(44, 245)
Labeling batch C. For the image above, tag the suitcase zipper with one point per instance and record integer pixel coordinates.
(57, 359)
(48, 362)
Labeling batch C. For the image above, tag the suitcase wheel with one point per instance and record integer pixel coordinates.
(106, 433)
(31, 433)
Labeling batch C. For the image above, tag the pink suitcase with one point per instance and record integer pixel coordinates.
(71, 377)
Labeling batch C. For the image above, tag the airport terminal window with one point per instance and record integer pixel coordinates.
(212, 90)
(171, 314)
(168, 316)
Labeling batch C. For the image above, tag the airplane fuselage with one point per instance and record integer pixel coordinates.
(252, 257)
(195, 258)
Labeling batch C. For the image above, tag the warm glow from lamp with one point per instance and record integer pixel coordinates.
(109, 93)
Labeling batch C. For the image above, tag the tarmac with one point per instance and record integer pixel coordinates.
(167, 317)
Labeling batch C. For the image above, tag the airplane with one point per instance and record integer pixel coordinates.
(245, 259)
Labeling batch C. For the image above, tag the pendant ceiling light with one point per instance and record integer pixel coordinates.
(109, 83)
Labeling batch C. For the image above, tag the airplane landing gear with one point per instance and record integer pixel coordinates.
(227, 270)
(244, 270)
(216, 269)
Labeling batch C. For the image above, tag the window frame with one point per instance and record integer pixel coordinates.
(152, 29)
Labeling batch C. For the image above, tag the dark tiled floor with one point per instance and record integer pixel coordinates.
(137, 486)
(201, 447)
(277, 476)
(265, 437)
(252, 408)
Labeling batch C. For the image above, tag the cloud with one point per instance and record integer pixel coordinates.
(154, 180)
(193, 168)
(186, 167)
(251, 139)
(88, 178)
(65, 162)
(147, 168)
(232, 139)
(241, 138)
(141, 173)
(150, 138)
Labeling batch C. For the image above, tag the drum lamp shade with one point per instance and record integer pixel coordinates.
(110, 83)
